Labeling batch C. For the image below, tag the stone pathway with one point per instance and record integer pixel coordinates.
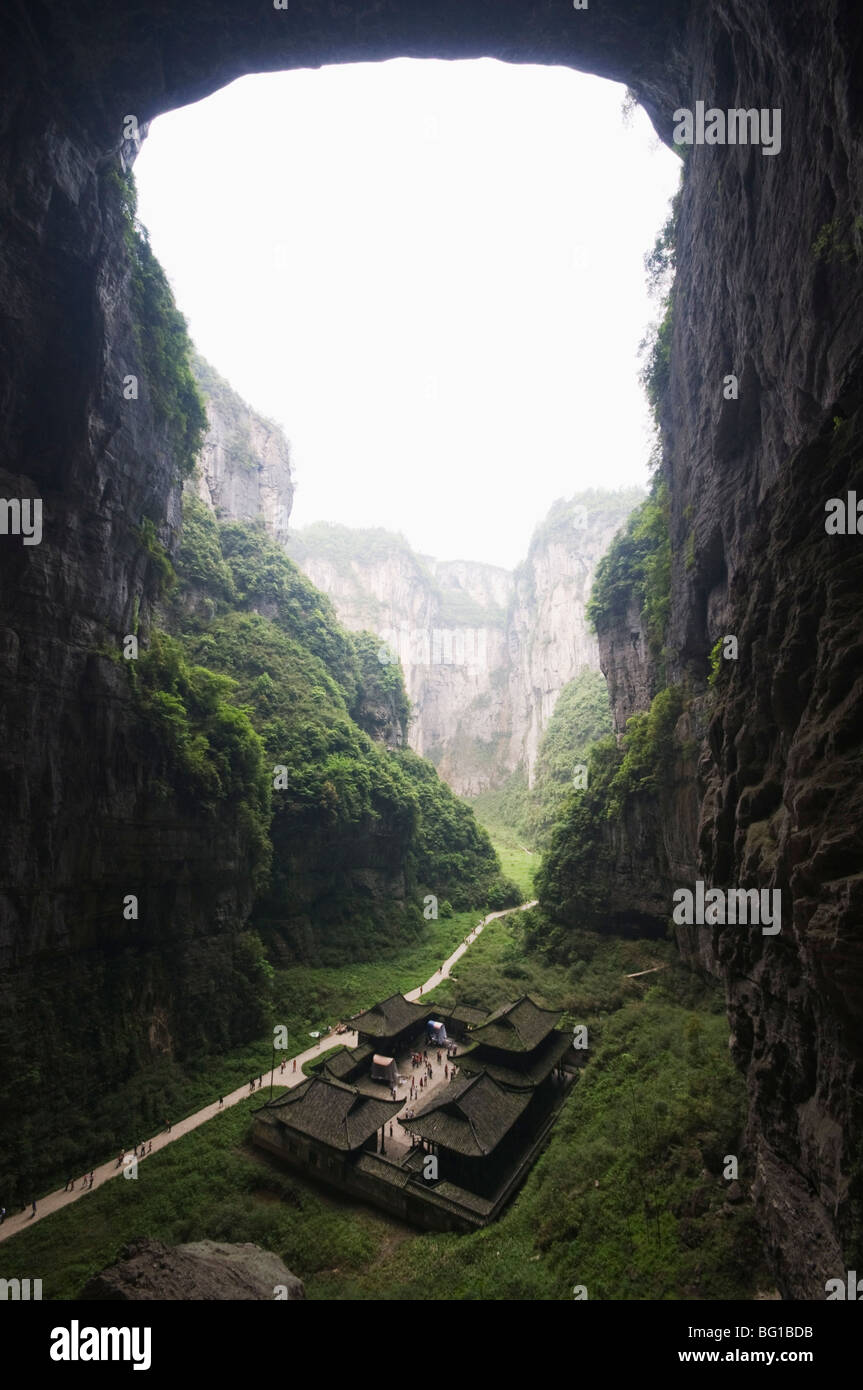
(54, 1201)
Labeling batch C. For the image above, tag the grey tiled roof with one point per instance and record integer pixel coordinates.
(391, 1016)
(470, 1116)
(518, 1027)
(325, 1109)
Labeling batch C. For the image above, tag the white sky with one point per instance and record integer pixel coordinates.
(431, 274)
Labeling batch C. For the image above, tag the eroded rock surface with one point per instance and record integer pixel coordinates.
(204, 1270)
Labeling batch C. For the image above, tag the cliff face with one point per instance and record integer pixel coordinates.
(485, 651)
(769, 282)
(244, 471)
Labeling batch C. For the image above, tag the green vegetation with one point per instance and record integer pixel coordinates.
(636, 570)
(381, 706)
(628, 1199)
(517, 861)
(318, 698)
(839, 241)
(450, 846)
(581, 716)
(161, 567)
(574, 881)
(655, 347)
(215, 757)
(715, 660)
(161, 333)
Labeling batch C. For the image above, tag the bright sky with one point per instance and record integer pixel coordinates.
(431, 275)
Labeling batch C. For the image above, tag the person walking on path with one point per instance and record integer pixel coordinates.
(150, 1147)
(445, 1070)
(295, 1064)
(33, 1212)
(2, 1215)
(70, 1182)
(221, 1101)
(92, 1177)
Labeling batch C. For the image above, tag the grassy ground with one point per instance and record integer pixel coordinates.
(628, 1198)
(517, 861)
(304, 999)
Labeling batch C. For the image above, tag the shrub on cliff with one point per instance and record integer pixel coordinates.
(636, 569)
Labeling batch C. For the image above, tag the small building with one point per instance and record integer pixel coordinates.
(348, 1064)
(476, 1128)
(518, 1045)
(322, 1125)
(390, 1026)
(461, 1017)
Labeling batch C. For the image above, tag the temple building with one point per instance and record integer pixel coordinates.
(518, 1045)
(476, 1129)
(391, 1025)
(323, 1125)
(450, 1156)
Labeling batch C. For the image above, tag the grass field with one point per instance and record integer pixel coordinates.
(625, 1200)
(517, 861)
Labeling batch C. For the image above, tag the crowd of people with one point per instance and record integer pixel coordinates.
(421, 1062)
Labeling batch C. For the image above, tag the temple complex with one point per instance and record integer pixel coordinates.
(451, 1156)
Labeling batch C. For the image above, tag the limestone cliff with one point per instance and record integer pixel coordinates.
(485, 651)
(244, 470)
(769, 287)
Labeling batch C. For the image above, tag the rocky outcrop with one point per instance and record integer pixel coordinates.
(204, 1270)
(485, 651)
(244, 470)
(769, 284)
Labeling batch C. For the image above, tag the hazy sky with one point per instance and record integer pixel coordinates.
(430, 274)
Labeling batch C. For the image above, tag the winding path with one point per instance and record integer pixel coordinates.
(54, 1201)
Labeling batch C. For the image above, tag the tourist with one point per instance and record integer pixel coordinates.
(119, 1163)
(2, 1215)
(251, 1085)
(221, 1101)
(391, 1131)
(92, 1177)
(70, 1182)
(136, 1150)
(295, 1064)
(33, 1212)
(83, 1182)
(260, 1081)
(150, 1147)
(445, 1070)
